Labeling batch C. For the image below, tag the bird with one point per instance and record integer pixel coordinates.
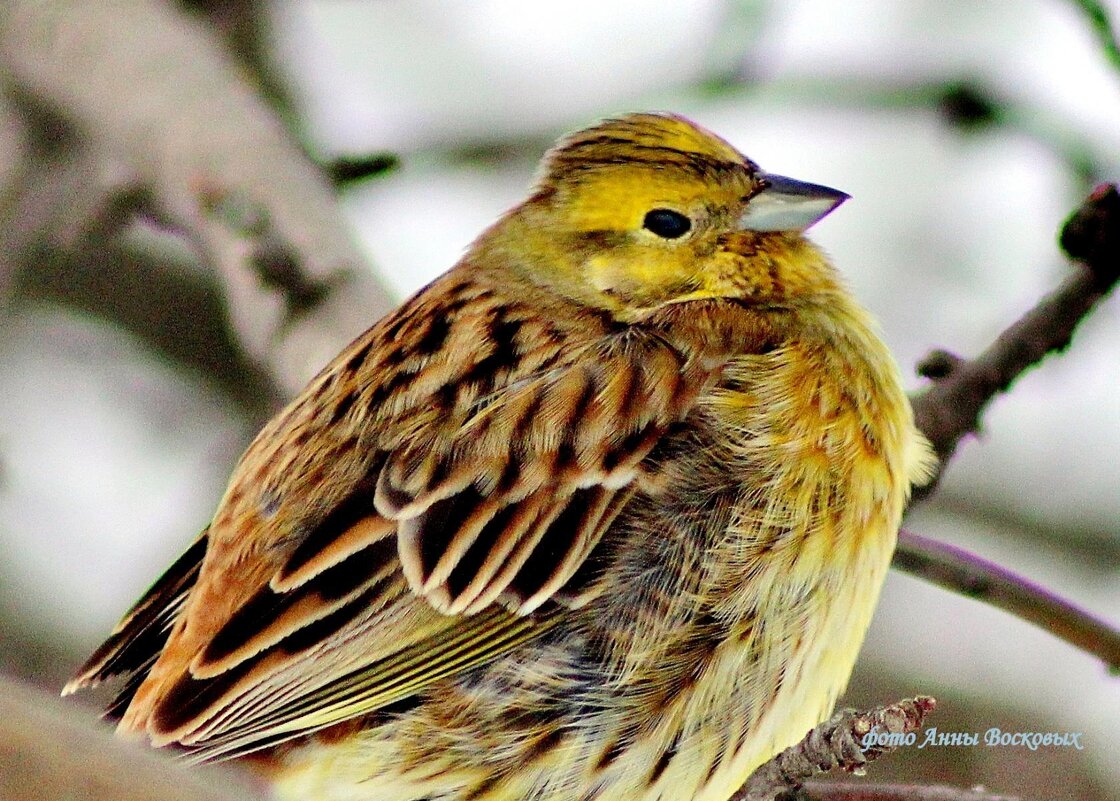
(603, 512)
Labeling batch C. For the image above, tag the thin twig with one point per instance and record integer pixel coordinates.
(1098, 18)
(823, 791)
(967, 102)
(836, 743)
(963, 572)
(951, 407)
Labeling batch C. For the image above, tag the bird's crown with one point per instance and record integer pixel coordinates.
(654, 139)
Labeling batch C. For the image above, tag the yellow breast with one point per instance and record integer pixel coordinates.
(824, 435)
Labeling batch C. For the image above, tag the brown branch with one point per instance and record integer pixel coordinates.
(951, 407)
(836, 743)
(960, 571)
(47, 750)
(826, 791)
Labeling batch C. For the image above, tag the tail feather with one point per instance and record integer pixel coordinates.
(137, 640)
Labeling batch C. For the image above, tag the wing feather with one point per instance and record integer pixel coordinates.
(567, 441)
(409, 517)
(269, 617)
(141, 633)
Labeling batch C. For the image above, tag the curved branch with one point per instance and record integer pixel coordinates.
(951, 407)
(960, 571)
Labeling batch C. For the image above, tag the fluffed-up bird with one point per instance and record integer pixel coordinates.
(603, 512)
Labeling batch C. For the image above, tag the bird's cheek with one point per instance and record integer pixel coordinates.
(643, 280)
(608, 277)
(625, 281)
(753, 277)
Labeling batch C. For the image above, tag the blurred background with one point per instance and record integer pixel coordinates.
(965, 132)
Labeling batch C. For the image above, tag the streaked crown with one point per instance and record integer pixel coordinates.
(656, 139)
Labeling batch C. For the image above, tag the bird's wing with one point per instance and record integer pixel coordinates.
(137, 639)
(511, 505)
(461, 452)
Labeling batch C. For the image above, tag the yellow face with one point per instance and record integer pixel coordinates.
(652, 209)
(655, 234)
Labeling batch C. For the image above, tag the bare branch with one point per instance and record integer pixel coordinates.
(952, 405)
(960, 571)
(48, 751)
(836, 743)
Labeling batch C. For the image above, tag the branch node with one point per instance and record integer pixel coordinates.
(938, 364)
(276, 264)
(1092, 234)
(346, 171)
(836, 743)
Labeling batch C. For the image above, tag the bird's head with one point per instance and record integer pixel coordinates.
(650, 209)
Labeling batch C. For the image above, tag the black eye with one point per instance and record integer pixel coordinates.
(667, 223)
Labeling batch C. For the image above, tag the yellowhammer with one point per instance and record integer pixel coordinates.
(603, 512)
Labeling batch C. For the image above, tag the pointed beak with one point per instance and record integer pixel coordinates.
(788, 205)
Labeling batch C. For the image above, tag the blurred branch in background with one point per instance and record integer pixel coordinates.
(46, 752)
(1099, 20)
(965, 573)
(246, 29)
(149, 125)
(965, 103)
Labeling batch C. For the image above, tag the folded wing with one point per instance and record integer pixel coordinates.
(406, 519)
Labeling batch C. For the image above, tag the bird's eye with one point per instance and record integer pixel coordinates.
(667, 223)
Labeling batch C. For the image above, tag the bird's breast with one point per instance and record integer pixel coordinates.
(798, 465)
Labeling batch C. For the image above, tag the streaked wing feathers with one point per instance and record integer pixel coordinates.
(514, 502)
(280, 715)
(464, 451)
(141, 633)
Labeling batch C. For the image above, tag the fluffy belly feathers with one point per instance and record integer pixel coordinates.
(775, 540)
